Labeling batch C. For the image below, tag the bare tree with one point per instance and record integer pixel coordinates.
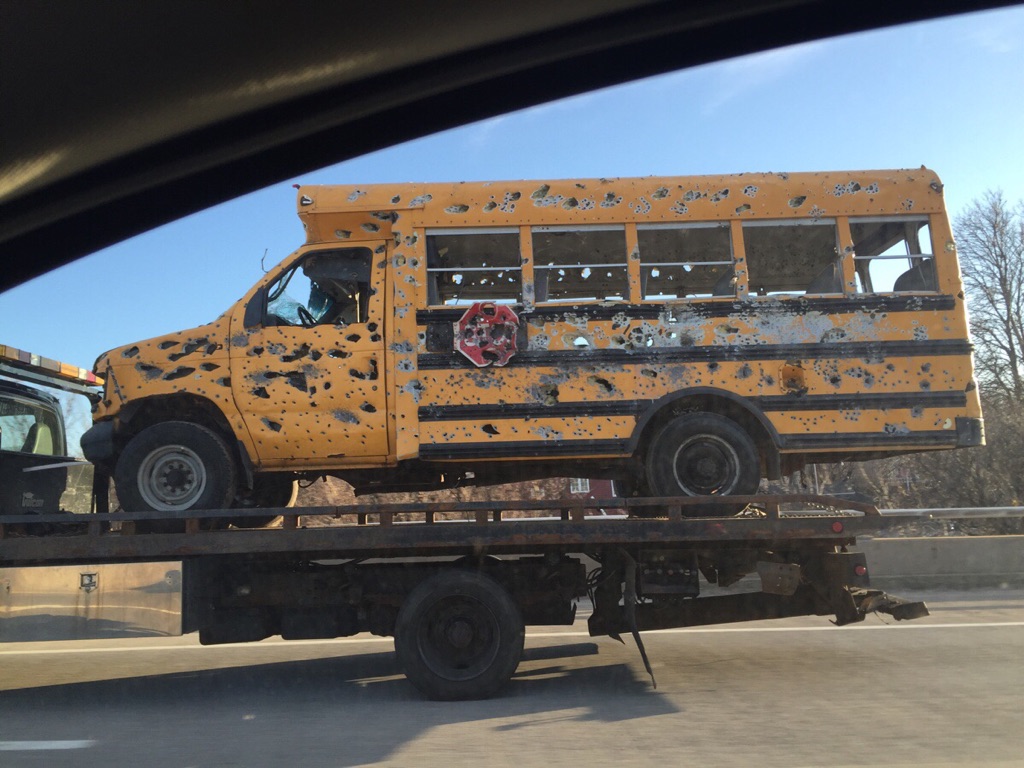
(990, 237)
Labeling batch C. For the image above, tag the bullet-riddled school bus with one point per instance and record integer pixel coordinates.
(681, 335)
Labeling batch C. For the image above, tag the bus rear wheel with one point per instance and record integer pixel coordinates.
(702, 454)
(459, 635)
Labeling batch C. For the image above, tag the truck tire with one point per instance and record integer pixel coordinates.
(459, 635)
(175, 466)
(702, 454)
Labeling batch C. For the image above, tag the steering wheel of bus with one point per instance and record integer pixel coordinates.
(307, 320)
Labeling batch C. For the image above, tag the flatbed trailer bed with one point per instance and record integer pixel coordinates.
(456, 583)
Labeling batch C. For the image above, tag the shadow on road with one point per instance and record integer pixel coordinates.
(356, 708)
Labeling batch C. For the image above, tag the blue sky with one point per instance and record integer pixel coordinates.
(946, 94)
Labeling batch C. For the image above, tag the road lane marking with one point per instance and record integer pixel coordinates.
(545, 635)
(40, 746)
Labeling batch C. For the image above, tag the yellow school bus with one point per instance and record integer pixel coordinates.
(684, 336)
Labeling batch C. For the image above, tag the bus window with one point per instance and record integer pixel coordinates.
(893, 255)
(793, 257)
(580, 264)
(466, 266)
(691, 261)
(325, 287)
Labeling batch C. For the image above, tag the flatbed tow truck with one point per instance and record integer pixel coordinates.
(457, 583)
(456, 594)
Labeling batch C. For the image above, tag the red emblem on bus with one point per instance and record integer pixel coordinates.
(486, 334)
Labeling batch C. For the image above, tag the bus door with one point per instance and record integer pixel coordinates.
(310, 381)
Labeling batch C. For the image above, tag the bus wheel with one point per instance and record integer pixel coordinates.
(702, 454)
(269, 491)
(175, 466)
(459, 635)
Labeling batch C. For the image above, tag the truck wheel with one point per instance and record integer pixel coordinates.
(175, 466)
(702, 454)
(459, 635)
(269, 491)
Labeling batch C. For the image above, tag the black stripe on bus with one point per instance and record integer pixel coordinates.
(716, 353)
(557, 448)
(866, 401)
(713, 308)
(879, 401)
(524, 449)
(881, 440)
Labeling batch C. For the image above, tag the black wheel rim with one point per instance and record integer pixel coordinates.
(458, 638)
(706, 465)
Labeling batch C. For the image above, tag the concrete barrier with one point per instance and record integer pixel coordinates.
(945, 562)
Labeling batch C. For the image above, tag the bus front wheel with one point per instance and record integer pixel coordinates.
(702, 454)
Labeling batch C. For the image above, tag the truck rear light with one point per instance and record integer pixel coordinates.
(837, 527)
(861, 570)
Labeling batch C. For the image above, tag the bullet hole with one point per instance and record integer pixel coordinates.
(312, 391)
(224, 381)
(420, 200)
(648, 373)
(353, 337)
(346, 417)
(603, 384)
(719, 196)
(374, 337)
(926, 367)
(768, 380)
(167, 344)
(454, 209)
(208, 366)
(742, 208)
(255, 352)
(296, 354)
(611, 200)
(490, 429)
(917, 411)
(327, 385)
(490, 206)
(239, 340)
(971, 386)
(796, 202)
(271, 425)
(296, 380)
(371, 327)
(405, 366)
(546, 394)
(925, 384)
(744, 372)
(339, 354)
(896, 429)
(660, 193)
(541, 192)
(890, 367)
(369, 375)
(835, 380)
(370, 227)
(396, 199)
(130, 352)
(368, 408)
(569, 203)
(179, 373)
(712, 366)
(261, 392)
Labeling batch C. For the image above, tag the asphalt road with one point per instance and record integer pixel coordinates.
(947, 690)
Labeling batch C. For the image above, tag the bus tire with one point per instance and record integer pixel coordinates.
(702, 454)
(175, 466)
(459, 635)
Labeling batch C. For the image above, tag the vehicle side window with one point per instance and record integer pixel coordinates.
(580, 264)
(792, 257)
(28, 427)
(464, 267)
(693, 261)
(893, 255)
(326, 287)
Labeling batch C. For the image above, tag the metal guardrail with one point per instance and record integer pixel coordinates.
(946, 513)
